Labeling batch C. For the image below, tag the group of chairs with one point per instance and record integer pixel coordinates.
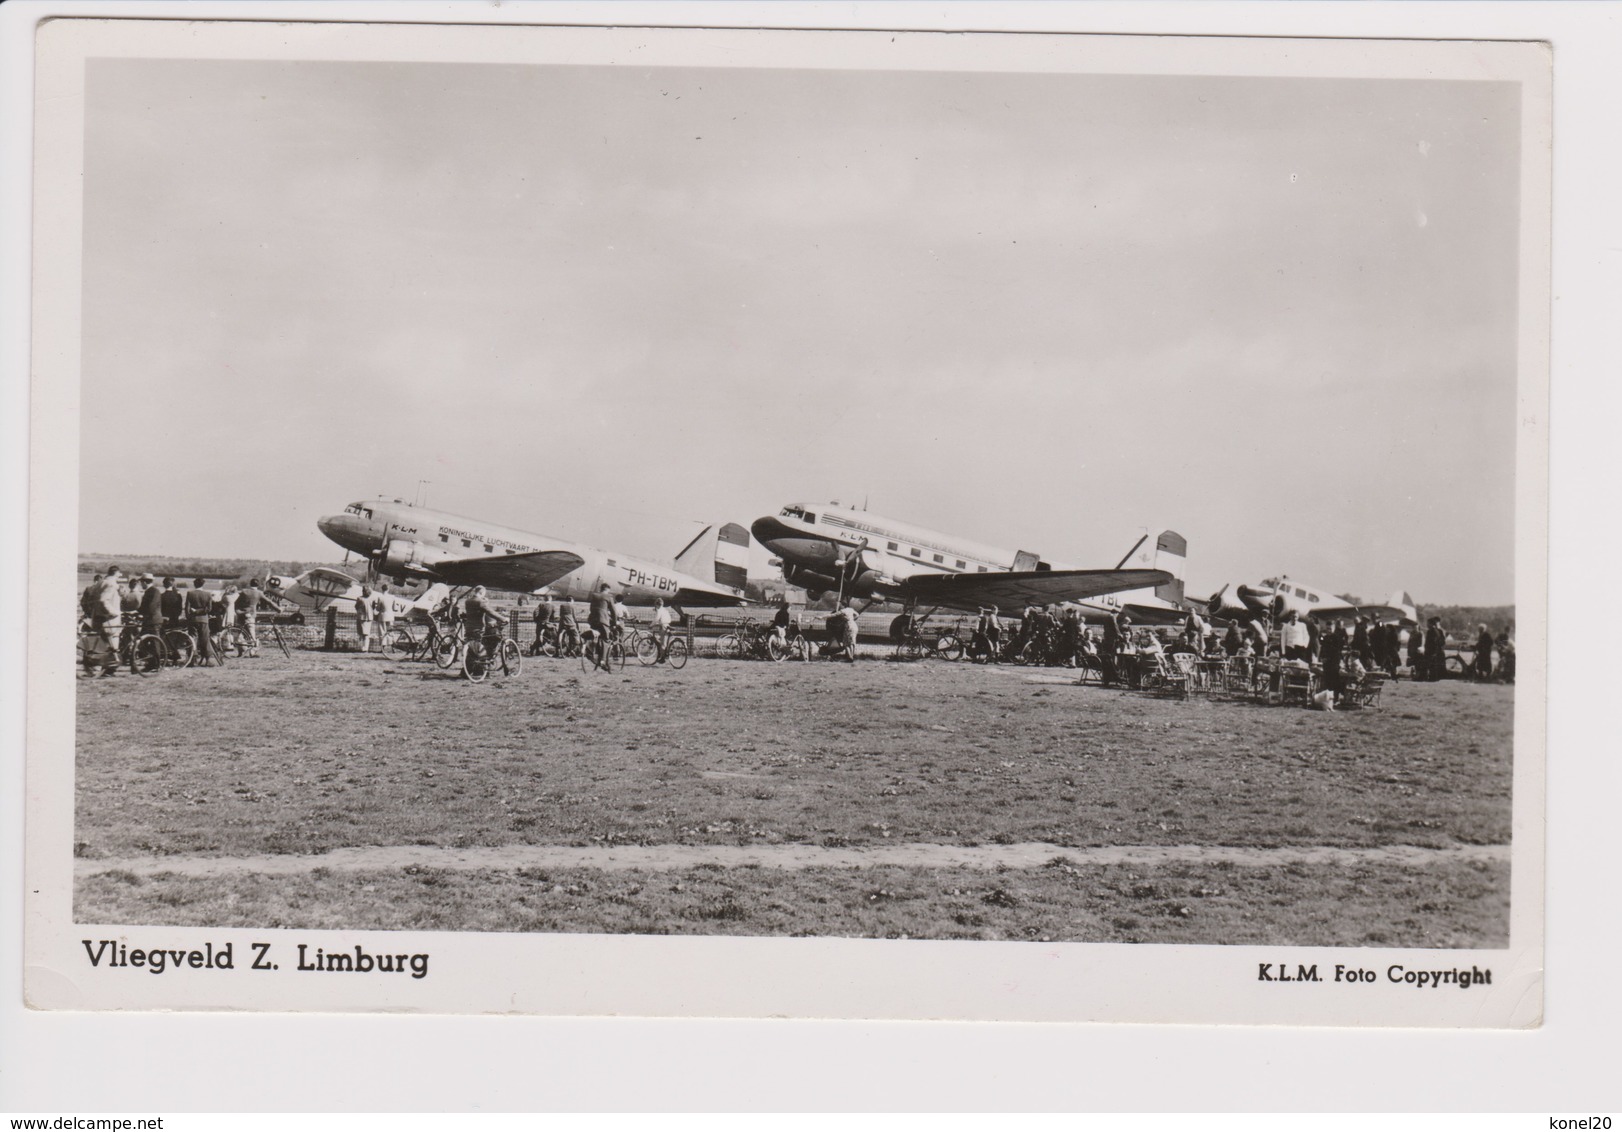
(1265, 680)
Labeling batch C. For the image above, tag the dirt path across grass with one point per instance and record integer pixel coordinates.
(914, 855)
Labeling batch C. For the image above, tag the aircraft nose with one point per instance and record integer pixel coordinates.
(794, 545)
(341, 529)
(767, 531)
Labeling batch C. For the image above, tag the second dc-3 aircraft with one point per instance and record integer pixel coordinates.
(404, 540)
(869, 557)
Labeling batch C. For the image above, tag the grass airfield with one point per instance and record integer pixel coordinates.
(889, 800)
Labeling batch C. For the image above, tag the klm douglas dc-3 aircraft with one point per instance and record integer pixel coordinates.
(404, 540)
(869, 557)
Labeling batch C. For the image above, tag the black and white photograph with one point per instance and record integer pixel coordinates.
(885, 525)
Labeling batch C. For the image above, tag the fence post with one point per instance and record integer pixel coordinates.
(332, 628)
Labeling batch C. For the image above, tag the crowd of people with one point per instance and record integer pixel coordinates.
(115, 610)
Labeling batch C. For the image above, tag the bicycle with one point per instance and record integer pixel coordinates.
(182, 644)
(400, 643)
(750, 640)
(482, 657)
(142, 653)
(233, 641)
(648, 652)
(594, 649)
(915, 643)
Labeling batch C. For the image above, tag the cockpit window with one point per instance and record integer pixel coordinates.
(352, 509)
(799, 513)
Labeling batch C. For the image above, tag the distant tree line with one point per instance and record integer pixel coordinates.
(199, 567)
(1465, 620)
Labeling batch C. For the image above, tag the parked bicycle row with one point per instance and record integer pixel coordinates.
(140, 625)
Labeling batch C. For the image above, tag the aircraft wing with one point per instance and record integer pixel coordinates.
(520, 573)
(1008, 589)
(1154, 614)
(1372, 612)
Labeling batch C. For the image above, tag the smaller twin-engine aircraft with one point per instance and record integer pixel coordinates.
(320, 586)
(868, 557)
(1280, 595)
(406, 541)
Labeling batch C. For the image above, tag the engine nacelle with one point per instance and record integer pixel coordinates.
(1261, 601)
(864, 582)
(401, 556)
(809, 580)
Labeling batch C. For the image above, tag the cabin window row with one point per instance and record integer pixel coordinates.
(917, 552)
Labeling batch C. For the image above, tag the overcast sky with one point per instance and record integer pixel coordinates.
(604, 303)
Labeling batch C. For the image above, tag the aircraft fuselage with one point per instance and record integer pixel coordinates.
(827, 547)
(406, 540)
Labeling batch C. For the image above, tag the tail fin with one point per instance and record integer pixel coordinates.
(1169, 553)
(719, 555)
(1400, 599)
(430, 598)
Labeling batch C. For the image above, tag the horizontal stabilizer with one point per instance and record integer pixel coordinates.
(520, 573)
(689, 598)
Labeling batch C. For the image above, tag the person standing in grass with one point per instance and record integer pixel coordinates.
(1295, 639)
(384, 606)
(107, 620)
(248, 612)
(363, 618)
(1435, 650)
(603, 617)
(199, 608)
(1484, 647)
(172, 602)
(151, 607)
(543, 621)
(1332, 652)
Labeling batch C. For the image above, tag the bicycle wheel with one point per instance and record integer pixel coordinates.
(180, 646)
(588, 656)
(475, 665)
(616, 655)
(676, 653)
(398, 643)
(948, 647)
(511, 657)
(146, 658)
(775, 648)
(445, 652)
(236, 642)
(216, 642)
(87, 653)
(647, 649)
(728, 648)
